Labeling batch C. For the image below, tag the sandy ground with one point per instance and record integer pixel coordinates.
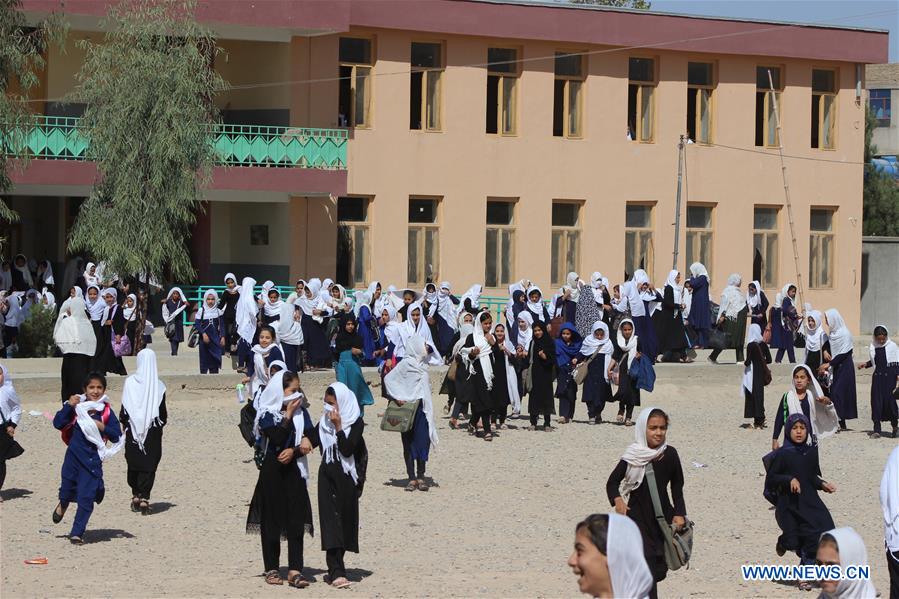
(498, 523)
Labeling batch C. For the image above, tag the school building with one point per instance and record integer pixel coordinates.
(486, 141)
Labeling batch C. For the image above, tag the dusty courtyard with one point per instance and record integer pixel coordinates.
(499, 521)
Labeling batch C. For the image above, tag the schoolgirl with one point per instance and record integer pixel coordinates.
(77, 341)
(817, 342)
(517, 304)
(651, 301)
(456, 388)
(597, 348)
(10, 414)
(11, 310)
(444, 319)
(470, 301)
(568, 346)
(211, 327)
(348, 347)
(271, 305)
(172, 306)
(246, 315)
(228, 306)
(757, 302)
(316, 346)
(732, 317)
(845, 547)
(806, 397)
(505, 378)
(143, 415)
(842, 370)
(290, 334)
(264, 354)
(369, 329)
(541, 361)
(537, 308)
(700, 314)
(884, 357)
(416, 325)
(790, 323)
(112, 329)
(754, 368)
(479, 375)
(669, 322)
(567, 300)
(129, 312)
(628, 348)
(87, 422)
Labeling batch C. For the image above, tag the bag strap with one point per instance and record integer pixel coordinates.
(650, 479)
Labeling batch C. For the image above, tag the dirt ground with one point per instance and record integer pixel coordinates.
(499, 521)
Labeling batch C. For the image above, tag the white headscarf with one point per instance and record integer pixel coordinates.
(272, 400)
(130, 314)
(207, 313)
(732, 299)
(46, 277)
(73, 332)
(890, 348)
(348, 406)
(598, 284)
(889, 500)
(96, 307)
(525, 336)
(181, 306)
(627, 564)
(91, 279)
(814, 338)
(289, 330)
(754, 300)
(671, 281)
(90, 429)
(271, 308)
(26, 274)
(840, 336)
(591, 344)
(473, 294)
(325, 291)
(246, 310)
(409, 381)
(310, 300)
(697, 269)
(784, 292)
(536, 307)
(852, 553)
(142, 395)
(10, 403)
(571, 285)
(755, 336)
(824, 419)
(445, 307)
(407, 329)
(629, 346)
(778, 299)
(484, 350)
(51, 299)
(231, 276)
(638, 454)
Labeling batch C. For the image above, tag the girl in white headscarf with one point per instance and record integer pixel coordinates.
(669, 321)
(478, 373)
(840, 368)
(417, 325)
(271, 304)
(143, 415)
(90, 276)
(112, 332)
(565, 304)
(627, 487)
(228, 306)
(211, 327)
(889, 505)
(45, 274)
(817, 342)
(280, 507)
(21, 274)
(172, 306)
(77, 341)
(806, 397)
(505, 378)
(246, 317)
(844, 547)
(10, 309)
(409, 381)
(10, 413)
(316, 346)
(537, 308)
(290, 334)
(455, 380)
(755, 371)
(757, 302)
(471, 301)
(597, 347)
(732, 313)
(628, 349)
(884, 357)
(624, 573)
(130, 312)
(341, 477)
(263, 354)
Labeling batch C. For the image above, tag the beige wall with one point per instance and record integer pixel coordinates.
(246, 62)
(64, 63)
(231, 232)
(604, 170)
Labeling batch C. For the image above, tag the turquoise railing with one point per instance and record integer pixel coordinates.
(63, 138)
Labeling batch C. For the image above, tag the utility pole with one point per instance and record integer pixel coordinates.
(680, 178)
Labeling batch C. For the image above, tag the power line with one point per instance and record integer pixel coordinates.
(767, 153)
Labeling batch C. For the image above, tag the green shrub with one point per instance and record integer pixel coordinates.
(36, 334)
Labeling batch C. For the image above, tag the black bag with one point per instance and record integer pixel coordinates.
(799, 341)
(193, 337)
(361, 457)
(171, 329)
(9, 446)
(247, 420)
(717, 339)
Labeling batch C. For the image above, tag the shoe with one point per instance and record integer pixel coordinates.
(76, 540)
(896, 432)
(57, 517)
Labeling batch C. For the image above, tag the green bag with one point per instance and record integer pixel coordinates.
(399, 418)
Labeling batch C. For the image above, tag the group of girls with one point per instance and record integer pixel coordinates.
(25, 286)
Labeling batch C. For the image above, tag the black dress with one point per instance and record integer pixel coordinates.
(228, 306)
(500, 392)
(338, 496)
(628, 394)
(75, 368)
(758, 356)
(478, 395)
(142, 465)
(106, 360)
(667, 469)
(540, 398)
(669, 325)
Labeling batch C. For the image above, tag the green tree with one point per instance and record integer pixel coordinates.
(149, 89)
(880, 196)
(641, 4)
(21, 59)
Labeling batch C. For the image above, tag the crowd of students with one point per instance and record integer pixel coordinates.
(602, 342)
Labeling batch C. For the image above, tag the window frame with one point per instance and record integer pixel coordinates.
(441, 70)
(577, 228)
(886, 103)
(654, 84)
(765, 233)
(424, 227)
(582, 92)
(831, 266)
(367, 226)
(515, 77)
(778, 99)
(512, 227)
(709, 261)
(691, 97)
(651, 229)
(369, 110)
(835, 94)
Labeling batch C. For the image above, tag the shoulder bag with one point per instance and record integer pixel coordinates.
(579, 374)
(13, 449)
(399, 418)
(678, 543)
(123, 347)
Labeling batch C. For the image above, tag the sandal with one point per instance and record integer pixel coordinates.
(135, 504)
(76, 540)
(453, 423)
(628, 422)
(298, 581)
(273, 577)
(145, 507)
(488, 436)
(57, 517)
(340, 583)
(422, 485)
(620, 419)
(805, 586)
(413, 484)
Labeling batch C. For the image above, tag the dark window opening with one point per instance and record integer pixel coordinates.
(559, 108)
(415, 100)
(691, 113)
(345, 100)
(492, 103)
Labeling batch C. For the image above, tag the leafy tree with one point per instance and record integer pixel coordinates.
(641, 4)
(880, 199)
(21, 59)
(35, 338)
(149, 89)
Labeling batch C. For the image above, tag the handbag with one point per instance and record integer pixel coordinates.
(717, 339)
(451, 371)
(399, 418)
(171, 329)
(13, 449)
(678, 543)
(555, 326)
(193, 337)
(123, 347)
(247, 422)
(579, 374)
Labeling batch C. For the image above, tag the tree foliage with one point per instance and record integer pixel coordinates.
(880, 198)
(35, 338)
(21, 60)
(149, 89)
(640, 4)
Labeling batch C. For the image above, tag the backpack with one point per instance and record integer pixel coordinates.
(69, 429)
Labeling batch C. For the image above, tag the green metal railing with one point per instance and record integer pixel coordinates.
(64, 138)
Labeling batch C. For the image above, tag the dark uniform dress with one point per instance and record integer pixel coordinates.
(597, 390)
(228, 306)
(142, 465)
(669, 324)
(105, 359)
(540, 397)
(628, 393)
(883, 385)
(758, 356)
(478, 397)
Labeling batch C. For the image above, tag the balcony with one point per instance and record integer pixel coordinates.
(63, 138)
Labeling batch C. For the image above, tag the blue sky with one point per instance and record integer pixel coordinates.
(851, 13)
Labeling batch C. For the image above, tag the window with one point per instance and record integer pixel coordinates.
(824, 108)
(355, 82)
(500, 265)
(820, 250)
(879, 101)
(352, 241)
(425, 90)
(568, 95)
(765, 99)
(638, 245)
(566, 237)
(699, 235)
(764, 241)
(258, 234)
(423, 265)
(640, 91)
(502, 80)
(700, 86)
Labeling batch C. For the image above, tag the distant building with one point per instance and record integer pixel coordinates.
(882, 83)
